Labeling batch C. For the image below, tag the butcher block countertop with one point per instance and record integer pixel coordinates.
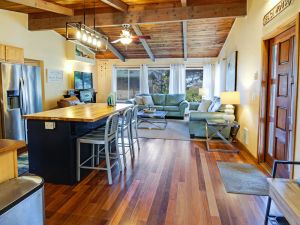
(8, 158)
(10, 145)
(91, 112)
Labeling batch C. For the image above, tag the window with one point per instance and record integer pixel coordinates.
(158, 80)
(194, 81)
(128, 83)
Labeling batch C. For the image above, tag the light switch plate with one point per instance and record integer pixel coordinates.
(49, 125)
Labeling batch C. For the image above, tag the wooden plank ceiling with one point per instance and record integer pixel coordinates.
(208, 23)
(205, 38)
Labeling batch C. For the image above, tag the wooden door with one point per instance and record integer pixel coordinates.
(280, 92)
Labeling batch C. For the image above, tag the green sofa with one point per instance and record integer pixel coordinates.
(174, 104)
(197, 120)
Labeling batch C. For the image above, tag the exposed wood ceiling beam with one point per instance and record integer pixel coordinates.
(145, 16)
(44, 5)
(113, 49)
(117, 4)
(183, 3)
(115, 52)
(138, 32)
(184, 35)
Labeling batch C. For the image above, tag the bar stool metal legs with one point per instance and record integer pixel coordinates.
(123, 147)
(107, 159)
(78, 159)
(125, 126)
(101, 137)
(134, 128)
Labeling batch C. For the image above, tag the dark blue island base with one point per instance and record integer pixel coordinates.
(52, 153)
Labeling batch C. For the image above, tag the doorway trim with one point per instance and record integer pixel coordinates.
(295, 21)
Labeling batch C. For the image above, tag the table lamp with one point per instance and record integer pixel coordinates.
(229, 99)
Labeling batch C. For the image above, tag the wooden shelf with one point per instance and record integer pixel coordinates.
(80, 53)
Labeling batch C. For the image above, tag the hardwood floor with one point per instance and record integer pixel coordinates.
(169, 182)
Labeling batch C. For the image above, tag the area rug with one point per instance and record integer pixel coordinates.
(242, 178)
(175, 130)
(23, 166)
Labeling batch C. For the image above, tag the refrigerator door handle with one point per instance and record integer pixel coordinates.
(22, 102)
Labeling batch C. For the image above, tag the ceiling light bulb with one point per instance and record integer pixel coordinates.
(78, 34)
(98, 44)
(89, 39)
(84, 37)
(94, 41)
(126, 41)
(126, 33)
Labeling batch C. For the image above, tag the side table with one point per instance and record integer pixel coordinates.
(217, 126)
(286, 196)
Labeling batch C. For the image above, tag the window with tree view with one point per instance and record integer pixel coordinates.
(158, 80)
(194, 81)
(128, 83)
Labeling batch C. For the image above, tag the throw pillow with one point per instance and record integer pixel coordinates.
(214, 104)
(148, 100)
(204, 105)
(139, 100)
(215, 107)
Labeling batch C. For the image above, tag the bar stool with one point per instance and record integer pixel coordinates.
(124, 126)
(102, 137)
(134, 127)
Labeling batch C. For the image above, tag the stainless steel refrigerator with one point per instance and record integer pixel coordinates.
(21, 94)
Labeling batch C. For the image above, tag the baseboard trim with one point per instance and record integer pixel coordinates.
(244, 148)
(262, 166)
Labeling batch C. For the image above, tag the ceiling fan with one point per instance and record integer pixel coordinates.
(126, 38)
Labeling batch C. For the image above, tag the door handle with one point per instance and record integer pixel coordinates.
(21, 94)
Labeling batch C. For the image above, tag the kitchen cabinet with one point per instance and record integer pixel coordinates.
(2, 52)
(14, 54)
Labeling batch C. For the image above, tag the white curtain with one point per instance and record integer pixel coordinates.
(114, 79)
(217, 88)
(223, 75)
(177, 79)
(220, 77)
(144, 86)
(208, 80)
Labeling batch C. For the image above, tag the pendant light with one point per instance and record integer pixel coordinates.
(85, 35)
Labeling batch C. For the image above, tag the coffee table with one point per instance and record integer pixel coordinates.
(156, 120)
(217, 126)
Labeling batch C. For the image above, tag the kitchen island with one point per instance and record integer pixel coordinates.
(52, 138)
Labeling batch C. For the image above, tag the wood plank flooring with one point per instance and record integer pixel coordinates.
(169, 182)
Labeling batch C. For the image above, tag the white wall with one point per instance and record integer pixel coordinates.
(246, 37)
(47, 46)
(104, 69)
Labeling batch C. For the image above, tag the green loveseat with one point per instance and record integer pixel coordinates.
(197, 121)
(174, 104)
